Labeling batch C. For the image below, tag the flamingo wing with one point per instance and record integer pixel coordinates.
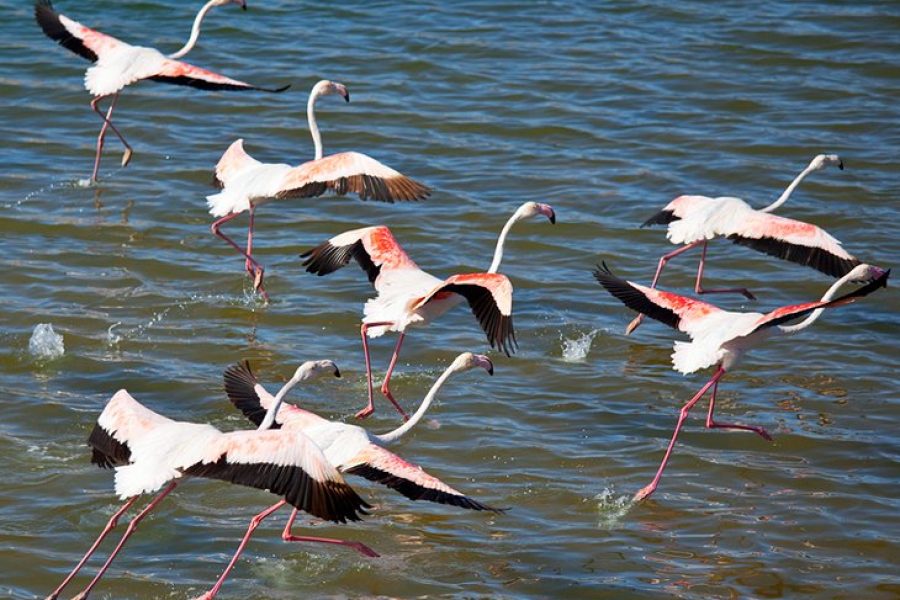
(83, 41)
(288, 464)
(122, 421)
(374, 248)
(676, 311)
(490, 297)
(796, 311)
(791, 240)
(350, 172)
(383, 466)
(244, 392)
(181, 73)
(233, 161)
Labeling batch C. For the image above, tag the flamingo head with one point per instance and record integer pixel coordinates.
(531, 209)
(826, 160)
(241, 3)
(325, 87)
(864, 273)
(467, 360)
(312, 369)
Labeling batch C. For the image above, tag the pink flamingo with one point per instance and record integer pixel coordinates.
(246, 182)
(149, 451)
(694, 220)
(720, 338)
(117, 64)
(350, 448)
(410, 297)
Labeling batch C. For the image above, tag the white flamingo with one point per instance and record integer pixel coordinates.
(694, 220)
(350, 448)
(117, 64)
(247, 183)
(150, 451)
(410, 297)
(720, 338)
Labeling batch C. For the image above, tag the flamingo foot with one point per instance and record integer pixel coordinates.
(81, 596)
(644, 493)
(365, 412)
(363, 549)
(206, 596)
(757, 430)
(126, 157)
(387, 394)
(634, 324)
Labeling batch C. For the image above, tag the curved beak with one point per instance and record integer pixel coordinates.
(548, 212)
(243, 4)
(337, 372)
(347, 99)
(485, 363)
(841, 164)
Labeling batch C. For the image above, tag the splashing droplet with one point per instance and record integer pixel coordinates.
(577, 350)
(46, 343)
(612, 508)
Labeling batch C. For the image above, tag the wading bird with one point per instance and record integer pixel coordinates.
(720, 338)
(149, 451)
(694, 220)
(246, 182)
(350, 448)
(410, 297)
(117, 64)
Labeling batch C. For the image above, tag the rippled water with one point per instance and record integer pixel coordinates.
(604, 111)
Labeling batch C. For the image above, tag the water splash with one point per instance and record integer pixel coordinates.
(45, 343)
(612, 508)
(576, 350)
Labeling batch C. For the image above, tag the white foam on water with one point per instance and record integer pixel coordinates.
(83, 183)
(612, 508)
(46, 343)
(576, 350)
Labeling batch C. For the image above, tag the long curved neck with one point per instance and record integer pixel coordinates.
(313, 126)
(269, 419)
(789, 190)
(814, 316)
(396, 434)
(195, 31)
(501, 241)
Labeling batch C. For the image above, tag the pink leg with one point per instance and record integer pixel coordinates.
(247, 263)
(110, 525)
(662, 263)
(287, 536)
(699, 288)
(387, 378)
(711, 424)
(370, 408)
(254, 523)
(132, 525)
(649, 489)
(257, 269)
(107, 123)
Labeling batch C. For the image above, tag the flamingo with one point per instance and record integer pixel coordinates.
(350, 448)
(410, 297)
(149, 451)
(117, 64)
(246, 182)
(720, 338)
(694, 220)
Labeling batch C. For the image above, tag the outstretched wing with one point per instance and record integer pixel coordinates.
(233, 161)
(181, 73)
(382, 466)
(122, 421)
(676, 311)
(490, 297)
(792, 240)
(350, 172)
(288, 464)
(796, 311)
(72, 35)
(374, 248)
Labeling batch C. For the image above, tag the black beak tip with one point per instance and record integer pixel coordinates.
(490, 369)
(841, 165)
(347, 99)
(337, 372)
(553, 218)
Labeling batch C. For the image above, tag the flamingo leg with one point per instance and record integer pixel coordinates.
(698, 288)
(287, 536)
(107, 123)
(110, 525)
(665, 258)
(254, 523)
(132, 525)
(711, 424)
(387, 378)
(649, 489)
(247, 263)
(257, 269)
(363, 330)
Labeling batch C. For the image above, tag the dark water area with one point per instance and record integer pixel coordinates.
(606, 111)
